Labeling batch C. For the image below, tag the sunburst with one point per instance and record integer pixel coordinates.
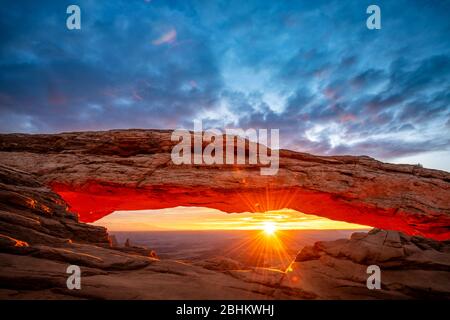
(269, 228)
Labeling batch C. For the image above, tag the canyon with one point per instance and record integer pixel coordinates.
(51, 185)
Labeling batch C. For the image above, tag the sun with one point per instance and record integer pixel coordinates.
(269, 228)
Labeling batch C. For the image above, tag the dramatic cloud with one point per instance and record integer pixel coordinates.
(310, 68)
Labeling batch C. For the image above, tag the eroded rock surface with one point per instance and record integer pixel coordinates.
(40, 237)
(411, 267)
(33, 213)
(97, 173)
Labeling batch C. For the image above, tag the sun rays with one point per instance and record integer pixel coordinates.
(269, 228)
(196, 218)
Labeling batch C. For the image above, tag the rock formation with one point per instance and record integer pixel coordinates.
(40, 238)
(97, 173)
(411, 267)
(33, 213)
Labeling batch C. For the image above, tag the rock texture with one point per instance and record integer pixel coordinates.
(33, 213)
(411, 267)
(40, 238)
(97, 173)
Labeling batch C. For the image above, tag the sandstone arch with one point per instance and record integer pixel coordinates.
(100, 172)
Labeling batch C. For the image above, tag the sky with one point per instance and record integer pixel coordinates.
(197, 218)
(311, 69)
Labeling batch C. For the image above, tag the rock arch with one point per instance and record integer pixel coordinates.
(100, 172)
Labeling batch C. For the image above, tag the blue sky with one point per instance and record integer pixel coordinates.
(310, 68)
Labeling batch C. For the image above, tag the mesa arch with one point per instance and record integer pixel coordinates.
(97, 173)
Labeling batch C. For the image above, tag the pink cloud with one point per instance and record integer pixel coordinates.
(348, 117)
(167, 37)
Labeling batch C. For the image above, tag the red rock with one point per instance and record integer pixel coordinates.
(40, 238)
(32, 213)
(411, 267)
(100, 172)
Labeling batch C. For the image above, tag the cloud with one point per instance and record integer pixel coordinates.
(250, 64)
(167, 37)
(106, 76)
